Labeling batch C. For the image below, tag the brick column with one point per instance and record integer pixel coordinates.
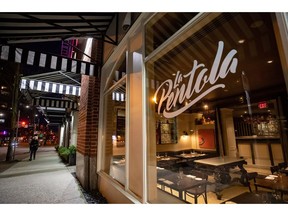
(87, 138)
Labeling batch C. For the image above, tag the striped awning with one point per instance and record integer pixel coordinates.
(51, 87)
(49, 61)
(57, 103)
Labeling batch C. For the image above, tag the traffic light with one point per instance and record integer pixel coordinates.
(24, 124)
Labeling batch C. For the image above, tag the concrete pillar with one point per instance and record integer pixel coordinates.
(74, 127)
(62, 134)
(58, 135)
(67, 131)
(66, 134)
(228, 132)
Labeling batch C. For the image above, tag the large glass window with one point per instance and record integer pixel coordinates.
(163, 26)
(115, 123)
(216, 84)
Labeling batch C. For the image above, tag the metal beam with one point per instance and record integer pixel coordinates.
(69, 77)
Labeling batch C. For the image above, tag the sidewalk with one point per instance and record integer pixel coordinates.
(45, 180)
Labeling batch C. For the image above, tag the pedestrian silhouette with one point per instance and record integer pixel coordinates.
(33, 147)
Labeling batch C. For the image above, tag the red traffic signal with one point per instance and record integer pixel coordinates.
(24, 124)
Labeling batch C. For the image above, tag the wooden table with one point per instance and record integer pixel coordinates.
(285, 171)
(221, 166)
(222, 161)
(161, 172)
(190, 156)
(278, 184)
(253, 198)
(166, 162)
(178, 182)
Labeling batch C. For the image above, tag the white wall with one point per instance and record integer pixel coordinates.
(61, 139)
(74, 127)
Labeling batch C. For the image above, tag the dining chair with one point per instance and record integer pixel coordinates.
(282, 165)
(283, 168)
(274, 169)
(198, 190)
(246, 177)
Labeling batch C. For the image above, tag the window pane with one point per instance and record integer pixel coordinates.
(114, 154)
(115, 122)
(118, 73)
(206, 85)
(162, 26)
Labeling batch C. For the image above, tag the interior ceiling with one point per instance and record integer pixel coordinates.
(29, 28)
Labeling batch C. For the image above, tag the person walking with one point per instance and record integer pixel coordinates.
(34, 144)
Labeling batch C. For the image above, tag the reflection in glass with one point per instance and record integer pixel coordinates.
(115, 133)
(227, 53)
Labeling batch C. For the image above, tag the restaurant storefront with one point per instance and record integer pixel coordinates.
(185, 87)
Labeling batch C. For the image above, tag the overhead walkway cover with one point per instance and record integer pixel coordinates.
(49, 61)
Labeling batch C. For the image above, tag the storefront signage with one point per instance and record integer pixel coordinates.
(176, 91)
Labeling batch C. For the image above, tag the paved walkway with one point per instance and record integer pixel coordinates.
(45, 180)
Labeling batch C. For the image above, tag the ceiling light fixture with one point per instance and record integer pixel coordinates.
(241, 41)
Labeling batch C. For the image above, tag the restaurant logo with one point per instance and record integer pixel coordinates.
(176, 91)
